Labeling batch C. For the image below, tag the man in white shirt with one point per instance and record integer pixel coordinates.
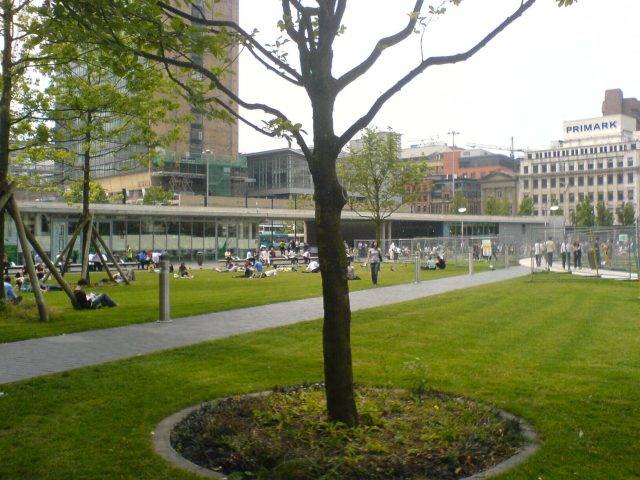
(550, 247)
(537, 251)
(564, 251)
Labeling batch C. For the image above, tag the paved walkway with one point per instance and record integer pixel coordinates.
(32, 358)
(581, 272)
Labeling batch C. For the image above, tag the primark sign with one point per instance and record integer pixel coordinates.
(593, 127)
(609, 126)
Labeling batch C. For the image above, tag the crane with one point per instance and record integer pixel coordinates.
(510, 149)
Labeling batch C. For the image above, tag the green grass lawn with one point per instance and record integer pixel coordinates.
(208, 292)
(562, 352)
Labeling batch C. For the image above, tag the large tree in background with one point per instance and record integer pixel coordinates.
(378, 182)
(175, 36)
(626, 214)
(584, 216)
(526, 207)
(497, 206)
(604, 218)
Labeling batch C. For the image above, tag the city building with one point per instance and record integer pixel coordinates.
(502, 186)
(280, 173)
(185, 231)
(204, 141)
(598, 159)
(436, 192)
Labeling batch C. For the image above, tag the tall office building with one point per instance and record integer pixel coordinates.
(597, 159)
(205, 156)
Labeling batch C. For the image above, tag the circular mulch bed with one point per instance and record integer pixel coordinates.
(284, 435)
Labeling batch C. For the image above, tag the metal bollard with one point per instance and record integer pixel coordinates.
(471, 265)
(417, 266)
(165, 300)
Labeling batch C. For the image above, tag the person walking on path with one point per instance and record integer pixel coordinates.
(563, 253)
(374, 258)
(577, 255)
(550, 247)
(537, 251)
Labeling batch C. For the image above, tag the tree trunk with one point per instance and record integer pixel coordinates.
(86, 192)
(5, 112)
(336, 329)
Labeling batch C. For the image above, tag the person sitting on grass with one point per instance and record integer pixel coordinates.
(229, 267)
(9, 293)
(312, 267)
(91, 301)
(351, 272)
(183, 271)
(440, 263)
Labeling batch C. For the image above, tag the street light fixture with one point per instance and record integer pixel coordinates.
(461, 211)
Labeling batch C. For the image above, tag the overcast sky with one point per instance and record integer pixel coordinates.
(551, 65)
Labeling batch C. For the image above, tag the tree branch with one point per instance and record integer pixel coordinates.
(380, 47)
(429, 62)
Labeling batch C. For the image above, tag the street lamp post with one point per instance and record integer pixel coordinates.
(461, 211)
(206, 182)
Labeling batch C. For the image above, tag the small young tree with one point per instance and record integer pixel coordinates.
(526, 207)
(177, 35)
(377, 181)
(584, 216)
(497, 206)
(156, 195)
(459, 201)
(76, 192)
(626, 214)
(604, 218)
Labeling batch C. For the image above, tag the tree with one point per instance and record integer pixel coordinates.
(175, 37)
(156, 196)
(459, 201)
(626, 214)
(497, 206)
(377, 181)
(75, 193)
(584, 216)
(604, 217)
(526, 207)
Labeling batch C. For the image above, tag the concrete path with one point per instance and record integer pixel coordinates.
(32, 358)
(581, 272)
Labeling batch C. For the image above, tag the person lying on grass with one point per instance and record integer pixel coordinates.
(91, 301)
(9, 293)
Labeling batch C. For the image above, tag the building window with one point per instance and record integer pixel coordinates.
(630, 178)
(600, 180)
(610, 196)
(609, 179)
(620, 178)
(535, 183)
(544, 199)
(525, 169)
(591, 196)
(544, 168)
(535, 169)
(630, 195)
(562, 198)
(535, 199)
(589, 180)
(620, 163)
(581, 196)
(544, 183)
(580, 181)
(572, 197)
(572, 181)
(553, 183)
(525, 184)
(620, 195)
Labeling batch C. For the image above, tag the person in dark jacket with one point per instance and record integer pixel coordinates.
(91, 301)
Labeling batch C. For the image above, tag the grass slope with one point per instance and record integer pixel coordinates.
(564, 353)
(208, 292)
